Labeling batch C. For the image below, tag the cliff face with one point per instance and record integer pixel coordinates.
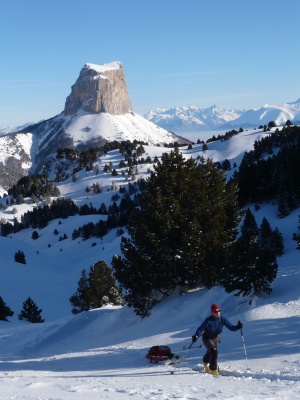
(99, 88)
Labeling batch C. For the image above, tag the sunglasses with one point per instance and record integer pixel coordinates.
(216, 311)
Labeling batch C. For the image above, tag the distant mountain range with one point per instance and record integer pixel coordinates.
(185, 119)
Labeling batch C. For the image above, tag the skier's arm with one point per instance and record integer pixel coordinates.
(200, 330)
(230, 326)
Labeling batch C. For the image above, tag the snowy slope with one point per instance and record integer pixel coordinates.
(22, 143)
(267, 113)
(129, 126)
(101, 354)
(72, 256)
(82, 129)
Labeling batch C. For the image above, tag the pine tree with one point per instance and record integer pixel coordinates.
(277, 245)
(283, 203)
(102, 286)
(34, 235)
(249, 227)
(96, 289)
(270, 239)
(180, 234)
(5, 311)
(266, 268)
(265, 232)
(30, 312)
(226, 166)
(20, 257)
(253, 265)
(80, 300)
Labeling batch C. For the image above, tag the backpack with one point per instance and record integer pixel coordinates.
(159, 354)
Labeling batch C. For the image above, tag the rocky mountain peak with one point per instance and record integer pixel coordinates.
(99, 89)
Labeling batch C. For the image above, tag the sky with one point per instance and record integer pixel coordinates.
(100, 354)
(235, 54)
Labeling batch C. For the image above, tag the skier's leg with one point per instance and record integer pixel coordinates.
(213, 366)
(206, 357)
(208, 343)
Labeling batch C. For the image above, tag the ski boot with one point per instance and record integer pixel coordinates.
(215, 372)
(206, 367)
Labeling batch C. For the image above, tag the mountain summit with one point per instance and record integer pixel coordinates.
(99, 88)
(98, 110)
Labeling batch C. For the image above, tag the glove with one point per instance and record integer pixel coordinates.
(239, 325)
(194, 338)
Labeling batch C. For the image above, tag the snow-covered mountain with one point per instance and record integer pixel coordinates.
(192, 118)
(97, 110)
(186, 119)
(100, 354)
(267, 113)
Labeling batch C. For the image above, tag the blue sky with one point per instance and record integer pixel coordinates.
(233, 53)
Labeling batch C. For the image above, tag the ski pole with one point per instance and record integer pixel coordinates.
(188, 349)
(184, 356)
(194, 347)
(243, 340)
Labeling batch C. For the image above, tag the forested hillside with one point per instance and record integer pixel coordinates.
(180, 223)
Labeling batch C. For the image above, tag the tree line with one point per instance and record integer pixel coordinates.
(30, 311)
(270, 171)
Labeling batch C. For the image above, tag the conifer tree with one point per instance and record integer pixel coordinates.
(96, 289)
(265, 232)
(253, 266)
(5, 311)
(249, 227)
(20, 257)
(180, 234)
(30, 312)
(277, 245)
(270, 239)
(80, 300)
(102, 286)
(34, 235)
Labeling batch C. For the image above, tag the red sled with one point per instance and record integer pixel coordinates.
(162, 355)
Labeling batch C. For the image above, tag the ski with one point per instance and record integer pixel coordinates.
(202, 370)
(208, 372)
(225, 372)
(176, 369)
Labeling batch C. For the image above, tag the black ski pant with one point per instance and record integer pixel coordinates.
(211, 355)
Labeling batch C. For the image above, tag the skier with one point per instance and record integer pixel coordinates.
(210, 329)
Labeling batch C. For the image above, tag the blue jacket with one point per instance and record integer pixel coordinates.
(212, 327)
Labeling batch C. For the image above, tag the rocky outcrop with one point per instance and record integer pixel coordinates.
(99, 88)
